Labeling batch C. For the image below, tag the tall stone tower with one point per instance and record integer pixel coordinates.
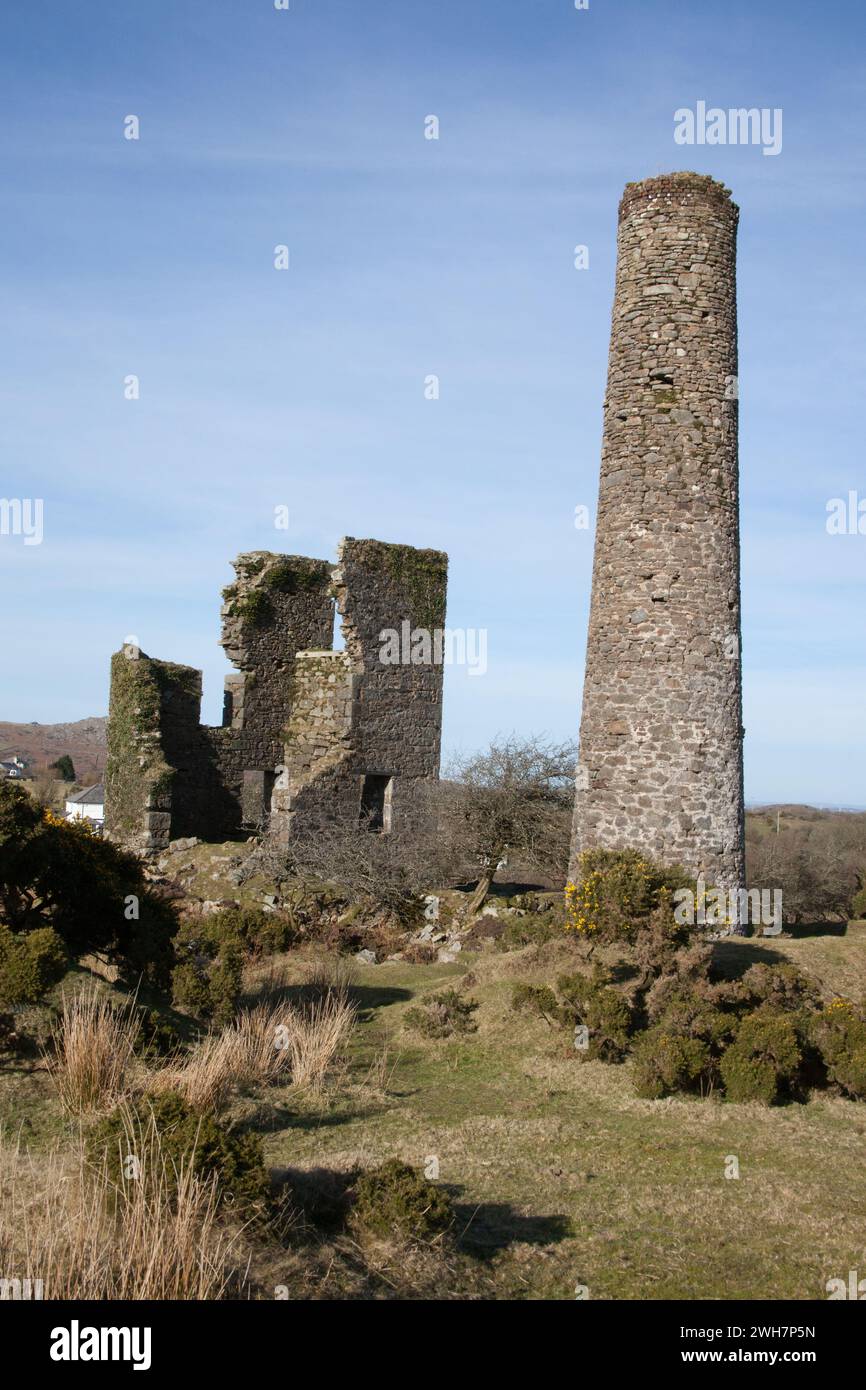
(660, 765)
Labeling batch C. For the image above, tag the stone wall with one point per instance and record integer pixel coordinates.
(660, 764)
(152, 742)
(303, 726)
(357, 716)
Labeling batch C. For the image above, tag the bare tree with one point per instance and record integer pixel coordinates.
(384, 869)
(817, 859)
(517, 798)
(43, 789)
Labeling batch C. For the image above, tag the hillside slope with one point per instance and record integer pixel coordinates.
(41, 744)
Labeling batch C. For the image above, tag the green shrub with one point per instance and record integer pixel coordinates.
(858, 904)
(260, 933)
(93, 894)
(839, 1033)
(30, 963)
(442, 1015)
(777, 986)
(686, 1009)
(615, 892)
(157, 1036)
(211, 951)
(225, 981)
(395, 1201)
(763, 1060)
(208, 977)
(532, 930)
(666, 1062)
(590, 1000)
(190, 989)
(187, 1138)
(536, 999)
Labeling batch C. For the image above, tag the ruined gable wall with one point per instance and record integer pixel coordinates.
(319, 720)
(356, 715)
(152, 741)
(167, 775)
(277, 606)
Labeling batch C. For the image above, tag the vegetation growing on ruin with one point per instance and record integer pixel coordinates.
(254, 608)
(135, 751)
(297, 576)
(422, 575)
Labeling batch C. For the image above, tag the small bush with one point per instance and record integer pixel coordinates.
(532, 930)
(156, 1035)
(420, 953)
(777, 986)
(190, 1141)
(211, 953)
(260, 933)
(393, 1200)
(762, 1062)
(616, 891)
(591, 1001)
(536, 999)
(666, 1062)
(839, 1033)
(442, 1015)
(225, 981)
(30, 963)
(190, 988)
(208, 977)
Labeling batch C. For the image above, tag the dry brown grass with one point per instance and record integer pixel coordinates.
(91, 1053)
(315, 1037)
(265, 1044)
(332, 975)
(64, 1223)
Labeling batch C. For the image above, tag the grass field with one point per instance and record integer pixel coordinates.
(560, 1175)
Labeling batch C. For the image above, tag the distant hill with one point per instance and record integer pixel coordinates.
(41, 744)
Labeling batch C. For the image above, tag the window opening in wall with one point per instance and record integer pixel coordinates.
(376, 802)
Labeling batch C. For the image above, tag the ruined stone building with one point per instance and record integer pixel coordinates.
(310, 735)
(660, 765)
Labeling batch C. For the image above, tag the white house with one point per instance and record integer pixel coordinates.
(87, 805)
(13, 768)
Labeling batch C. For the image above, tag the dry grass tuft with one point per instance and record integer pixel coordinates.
(332, 976)
(263, 1045)
(91, 1052)
(64, 1223)
(315, 1037)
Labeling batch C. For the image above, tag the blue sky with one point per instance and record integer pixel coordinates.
(409, 256)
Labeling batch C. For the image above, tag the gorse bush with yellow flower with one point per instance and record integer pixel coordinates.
(615, 892)
(839, 1032)
(64, 892)
(657, 997)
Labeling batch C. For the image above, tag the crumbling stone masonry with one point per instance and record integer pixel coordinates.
(310, 736)
(660, 764)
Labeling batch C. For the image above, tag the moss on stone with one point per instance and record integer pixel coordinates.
(295, 575)
(137, 776)
(422, 575)
(254, 608)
